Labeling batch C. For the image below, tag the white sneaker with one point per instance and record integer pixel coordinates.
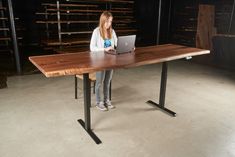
(101, 106)
(109, 104)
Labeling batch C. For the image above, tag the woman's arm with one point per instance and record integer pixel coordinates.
(94, 40)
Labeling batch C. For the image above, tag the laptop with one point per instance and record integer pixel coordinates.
(125, 44)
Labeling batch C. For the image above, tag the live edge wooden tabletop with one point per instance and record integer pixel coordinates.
(87, 62)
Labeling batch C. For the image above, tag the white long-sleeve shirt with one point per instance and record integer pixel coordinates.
(97, 42)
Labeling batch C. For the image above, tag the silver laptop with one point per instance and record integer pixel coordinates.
(125, 44)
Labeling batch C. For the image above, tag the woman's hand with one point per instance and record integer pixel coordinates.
(108, 48)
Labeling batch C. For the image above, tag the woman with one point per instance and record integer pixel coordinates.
(103, 39)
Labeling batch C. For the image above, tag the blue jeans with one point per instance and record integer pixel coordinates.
(103, 78)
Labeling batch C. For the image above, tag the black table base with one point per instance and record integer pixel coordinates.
(86, 124)
(161, 104)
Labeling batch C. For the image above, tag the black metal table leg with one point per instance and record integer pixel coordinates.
(87, 103)
(110, 90)
(76, 86)
(161, 104)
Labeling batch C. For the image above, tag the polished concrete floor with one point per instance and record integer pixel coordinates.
(38, 115)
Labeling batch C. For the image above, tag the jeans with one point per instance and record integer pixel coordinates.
(103, 78)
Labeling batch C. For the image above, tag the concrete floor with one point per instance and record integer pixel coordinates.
(38, 115)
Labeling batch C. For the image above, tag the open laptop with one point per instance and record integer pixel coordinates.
(125, 44)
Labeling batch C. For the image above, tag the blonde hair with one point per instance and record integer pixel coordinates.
(103, 18)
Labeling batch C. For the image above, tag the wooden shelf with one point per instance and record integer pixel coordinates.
(186, 30)
(69, 5)
(78, 32)
(84, 14)
(4, 29)
(55, 14)
(123, 21)
(92, 21)
(9, 39)
(7, 29)
(123, 17)
(122, 9)
(90, 11)
(65, 42)
(90, 32)
(76, 10)
(3, 8)
(126, 30)
(66, 22)
(225, 35)
(5, 39)
(4, 18)
(102, 1)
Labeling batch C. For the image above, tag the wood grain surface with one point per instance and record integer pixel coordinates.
(88, 62)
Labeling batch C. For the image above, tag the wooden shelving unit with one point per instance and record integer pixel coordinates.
(223, 15)
(9, 41)
(67, 24)
(184, 22)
